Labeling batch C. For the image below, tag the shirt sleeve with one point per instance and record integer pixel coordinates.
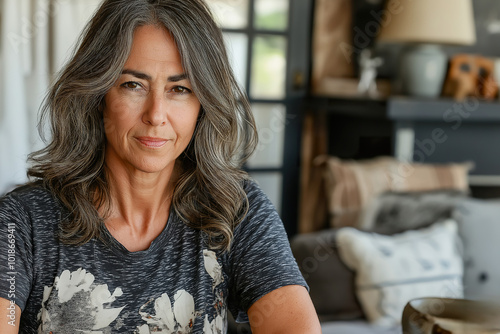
(16, 257)
(260, 257)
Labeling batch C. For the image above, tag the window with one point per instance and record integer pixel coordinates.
(266, 51)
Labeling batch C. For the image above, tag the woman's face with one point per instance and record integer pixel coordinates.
(151, 112)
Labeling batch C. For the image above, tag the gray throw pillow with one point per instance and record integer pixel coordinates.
(395, 212)
(330, 281)
(479, 228)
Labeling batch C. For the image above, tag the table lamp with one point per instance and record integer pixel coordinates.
(423, 26)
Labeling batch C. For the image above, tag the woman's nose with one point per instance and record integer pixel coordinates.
(155, 112)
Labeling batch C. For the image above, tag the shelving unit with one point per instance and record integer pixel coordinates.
(355, 128)
(445, 130)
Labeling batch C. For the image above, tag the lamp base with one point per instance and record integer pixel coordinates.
(423, 70)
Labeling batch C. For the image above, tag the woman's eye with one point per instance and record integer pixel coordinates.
(181, 90)
(131, 85)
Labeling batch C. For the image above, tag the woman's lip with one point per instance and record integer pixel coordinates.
(152, 142)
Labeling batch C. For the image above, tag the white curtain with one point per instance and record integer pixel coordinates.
(36, 38)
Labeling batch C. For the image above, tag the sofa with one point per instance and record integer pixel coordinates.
(379, 232)
(464, 228)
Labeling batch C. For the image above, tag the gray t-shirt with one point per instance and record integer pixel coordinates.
(177, 285)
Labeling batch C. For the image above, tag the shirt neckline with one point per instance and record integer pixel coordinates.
(115, 246)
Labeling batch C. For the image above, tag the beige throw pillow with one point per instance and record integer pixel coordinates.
(351, 185)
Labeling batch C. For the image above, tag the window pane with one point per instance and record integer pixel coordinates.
(271, 15)
(237, 47)
(268, 67)
(270, 183)
(270, 119)
(232, 14)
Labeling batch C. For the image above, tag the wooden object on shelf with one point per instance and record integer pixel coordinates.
(332, 30)
(470, 75)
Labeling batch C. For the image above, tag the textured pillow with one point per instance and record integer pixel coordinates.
(351, 185)
(395, 212)
(391, 270)
(479, 227)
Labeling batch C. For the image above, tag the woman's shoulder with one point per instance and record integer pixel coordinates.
(261, 211)
(257, 199)
(29, 197)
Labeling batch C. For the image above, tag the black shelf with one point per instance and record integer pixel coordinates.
(445, 130)
(355, 107)
(443, 109)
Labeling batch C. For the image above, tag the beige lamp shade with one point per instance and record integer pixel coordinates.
(428, 21)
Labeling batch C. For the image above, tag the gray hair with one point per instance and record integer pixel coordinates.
(209, 193)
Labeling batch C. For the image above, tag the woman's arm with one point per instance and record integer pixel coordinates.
(10, 315)
(288, 309)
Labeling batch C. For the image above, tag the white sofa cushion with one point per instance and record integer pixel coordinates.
(391, 270)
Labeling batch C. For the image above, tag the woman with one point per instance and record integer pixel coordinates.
(139, 219)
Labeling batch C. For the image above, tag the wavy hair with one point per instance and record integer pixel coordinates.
(209, 192)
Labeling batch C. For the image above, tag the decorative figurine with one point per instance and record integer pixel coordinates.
(368, 68)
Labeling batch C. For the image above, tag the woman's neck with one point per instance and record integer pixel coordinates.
(139, 208)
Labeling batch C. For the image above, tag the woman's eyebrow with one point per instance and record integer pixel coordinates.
(137, 74)
(144, 76)
(177, 77)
